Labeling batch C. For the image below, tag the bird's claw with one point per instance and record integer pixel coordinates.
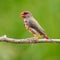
(33, 38)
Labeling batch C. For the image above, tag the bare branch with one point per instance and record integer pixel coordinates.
(27, 41)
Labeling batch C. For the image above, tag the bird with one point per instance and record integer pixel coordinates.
(32, 25)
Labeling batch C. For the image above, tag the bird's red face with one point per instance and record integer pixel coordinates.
(23, 14)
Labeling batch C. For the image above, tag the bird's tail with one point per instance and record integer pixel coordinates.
(46, 37)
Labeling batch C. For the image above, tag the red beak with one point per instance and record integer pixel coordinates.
(22, 15)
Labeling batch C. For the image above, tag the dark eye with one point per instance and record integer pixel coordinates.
(25, 13)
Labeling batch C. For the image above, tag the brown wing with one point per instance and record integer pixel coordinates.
(35, 25)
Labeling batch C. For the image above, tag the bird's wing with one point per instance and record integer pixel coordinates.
(35, 25)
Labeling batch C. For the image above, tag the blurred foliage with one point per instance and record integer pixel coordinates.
(47, 12)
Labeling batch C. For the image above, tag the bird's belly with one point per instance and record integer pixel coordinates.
(35, 33)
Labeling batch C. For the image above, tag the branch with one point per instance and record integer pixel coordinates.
(28, 41)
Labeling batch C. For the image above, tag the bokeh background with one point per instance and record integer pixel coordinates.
(47, 12)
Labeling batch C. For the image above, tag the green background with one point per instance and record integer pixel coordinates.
(47, 12)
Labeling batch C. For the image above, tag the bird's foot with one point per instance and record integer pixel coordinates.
(33, 38)
(29, 38)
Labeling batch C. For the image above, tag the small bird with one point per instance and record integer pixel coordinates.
(33, 26)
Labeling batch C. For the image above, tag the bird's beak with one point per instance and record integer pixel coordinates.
(22, 15)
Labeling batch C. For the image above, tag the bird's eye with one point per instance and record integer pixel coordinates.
(25, 13)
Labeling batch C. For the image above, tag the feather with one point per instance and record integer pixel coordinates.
(35, 25)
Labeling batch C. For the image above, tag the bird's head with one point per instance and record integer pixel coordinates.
(26, 14)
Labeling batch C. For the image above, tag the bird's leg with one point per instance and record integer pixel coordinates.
(29, 38)
(35, 38)
(32, 38)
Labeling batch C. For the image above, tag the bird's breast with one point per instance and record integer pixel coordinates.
(26, 24)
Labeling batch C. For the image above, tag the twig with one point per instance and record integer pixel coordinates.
(28, 41)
